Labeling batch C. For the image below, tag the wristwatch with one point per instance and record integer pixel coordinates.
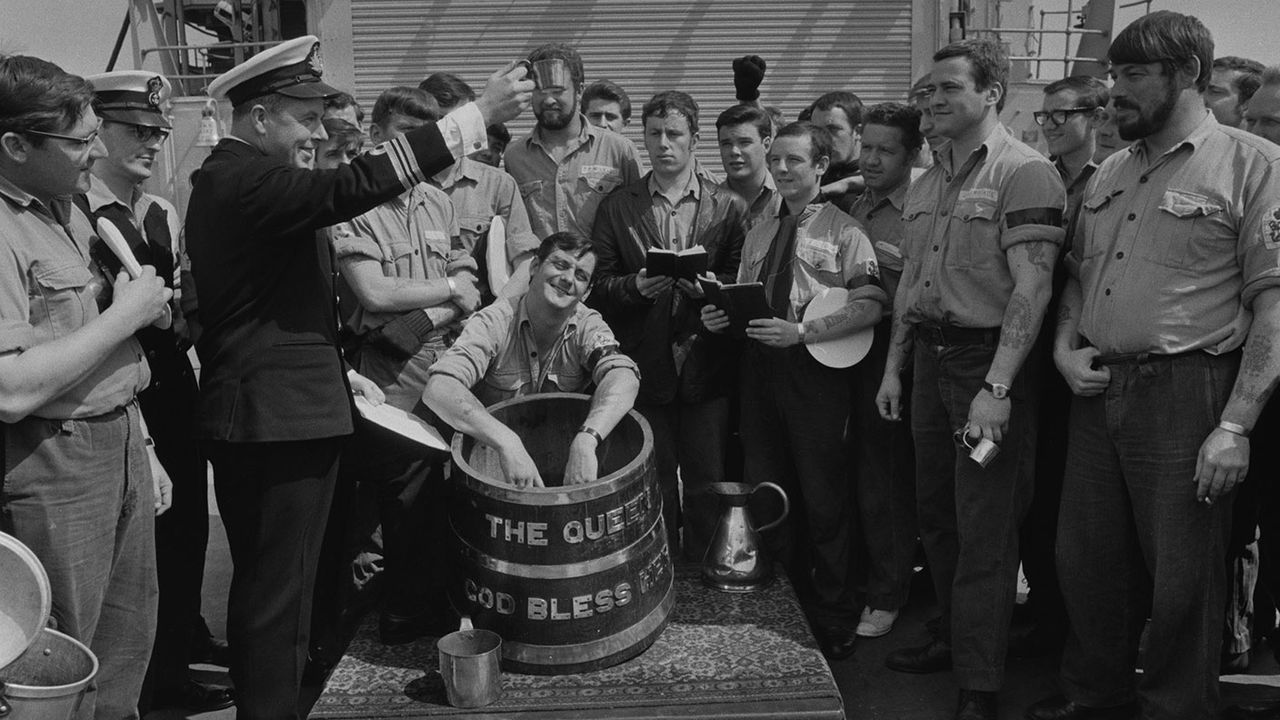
(998, 391)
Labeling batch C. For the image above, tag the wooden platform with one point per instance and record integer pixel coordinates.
(722, 656)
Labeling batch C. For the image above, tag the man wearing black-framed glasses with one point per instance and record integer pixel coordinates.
(1072, 112)
(131, 105)
(79, 488)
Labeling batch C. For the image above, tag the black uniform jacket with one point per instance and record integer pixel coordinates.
(271, 367)
(624, 231)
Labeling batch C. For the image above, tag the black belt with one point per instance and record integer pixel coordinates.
(1143, 358)
(945, 335)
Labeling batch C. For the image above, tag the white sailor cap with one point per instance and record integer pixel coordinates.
(131, 96)
(292, 68)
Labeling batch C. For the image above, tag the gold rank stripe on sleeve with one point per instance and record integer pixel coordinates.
(404, 162)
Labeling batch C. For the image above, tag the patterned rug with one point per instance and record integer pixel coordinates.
(718, 648)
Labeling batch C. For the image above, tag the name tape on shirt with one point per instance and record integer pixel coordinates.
(988, 194)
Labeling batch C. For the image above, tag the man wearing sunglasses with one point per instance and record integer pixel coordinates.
(134, 128)
(78, 483)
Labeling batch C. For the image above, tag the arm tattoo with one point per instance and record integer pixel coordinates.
(1253, 368)
(845, 315)
(901, 332)
(1065, 316)
(1019, 323)
(1040, 254)
(839, 317)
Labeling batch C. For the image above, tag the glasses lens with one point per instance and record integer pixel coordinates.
(149, 134)
(1040, 117)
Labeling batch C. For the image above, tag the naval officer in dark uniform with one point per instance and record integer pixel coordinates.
(275, 396)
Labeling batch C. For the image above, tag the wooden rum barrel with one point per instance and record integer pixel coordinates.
(573, 578)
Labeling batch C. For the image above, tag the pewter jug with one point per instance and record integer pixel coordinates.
(736, 560)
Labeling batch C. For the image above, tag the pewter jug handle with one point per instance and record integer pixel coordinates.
(786, 505)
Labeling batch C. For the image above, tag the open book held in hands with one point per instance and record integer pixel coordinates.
(742, 302)
(684, 265)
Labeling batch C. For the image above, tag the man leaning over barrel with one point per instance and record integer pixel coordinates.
(543, 341)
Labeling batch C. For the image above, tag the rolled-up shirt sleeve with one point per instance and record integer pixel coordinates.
(1259, 244)
(860, 268)
(1034, 201)
(600, 350)
(481, 340)
(353, 239)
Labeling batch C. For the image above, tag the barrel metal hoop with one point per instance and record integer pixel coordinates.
(594, 649)
(604, 487)
(555, 495)
(617, 558)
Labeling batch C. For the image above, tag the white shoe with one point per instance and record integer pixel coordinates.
(875, 623)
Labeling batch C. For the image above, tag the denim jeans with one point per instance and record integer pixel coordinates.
(1133, 542)
(79, 494)
(969, 515)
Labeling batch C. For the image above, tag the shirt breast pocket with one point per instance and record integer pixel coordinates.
(917, 224)
(601, 182)
(1191, 232)
(1092, 212)
(473, 227)
(503, 382)
(820, 259)
(979, 242)
(60, 297)
(399, 259)
(569, 379)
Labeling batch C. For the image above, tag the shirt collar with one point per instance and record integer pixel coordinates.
(464, 168)
(586, 135)
(995, 141)
(692, 187)
(769, 186)
(1084, 173)
(24, 199)
(523, 322)
(809, 210)
(100, 195)
(894, 199)
(17, 195)
(1208, 124)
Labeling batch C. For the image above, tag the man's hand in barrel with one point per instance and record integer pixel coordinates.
(582, 465)
(519, 469)
(506, 94)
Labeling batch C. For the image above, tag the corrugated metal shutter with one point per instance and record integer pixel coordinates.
(811, 47)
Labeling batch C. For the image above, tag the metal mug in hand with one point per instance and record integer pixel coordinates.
(551, 74)
(981, 451)
(469, 666)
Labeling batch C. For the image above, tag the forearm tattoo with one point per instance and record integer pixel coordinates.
(1065, 314)
(1020, 323)
(1252, 385)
